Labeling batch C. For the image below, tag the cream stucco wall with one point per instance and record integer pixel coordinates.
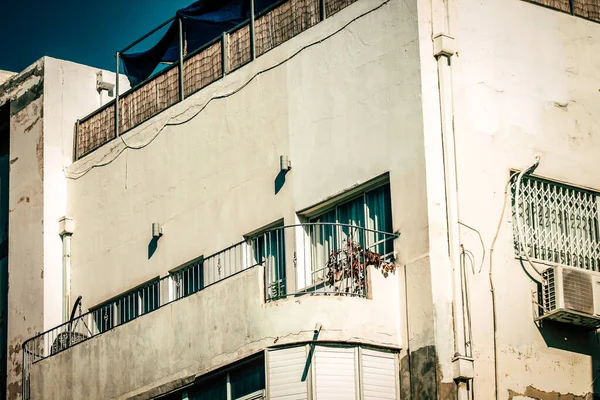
(360, 103)
(527, 83)
(45, 100)
(344, 110)
(217, 326)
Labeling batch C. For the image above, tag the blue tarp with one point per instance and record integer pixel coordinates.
(203, 21)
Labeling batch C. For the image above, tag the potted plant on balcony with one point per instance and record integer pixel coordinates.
(346, 269)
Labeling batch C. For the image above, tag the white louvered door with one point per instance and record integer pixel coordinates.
(286, 367)
(335, 373)
(379, 375)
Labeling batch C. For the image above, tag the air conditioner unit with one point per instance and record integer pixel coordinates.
(572, 296)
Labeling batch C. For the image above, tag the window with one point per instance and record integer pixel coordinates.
(127, 306)
(189, 279)
(244, 380)
(580, 8)
(560, 223)
(268, 248)
(364, 220)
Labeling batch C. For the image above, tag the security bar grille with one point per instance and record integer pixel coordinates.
(560, 223)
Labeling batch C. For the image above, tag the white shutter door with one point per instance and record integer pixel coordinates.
(335, 373)
(286, 367)
(379, 375)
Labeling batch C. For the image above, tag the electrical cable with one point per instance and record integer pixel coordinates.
(493, 293)
(482, 246)
(522, 247)
(77, 175)
(492, 289)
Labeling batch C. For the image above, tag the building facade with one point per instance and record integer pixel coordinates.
(340, 200)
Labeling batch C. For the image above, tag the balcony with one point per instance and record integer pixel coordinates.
(224, 54)
(327, 259)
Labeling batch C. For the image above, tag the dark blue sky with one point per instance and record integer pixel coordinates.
(84, 31)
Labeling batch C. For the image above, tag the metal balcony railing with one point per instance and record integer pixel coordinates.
(331, 259)
(200, 68)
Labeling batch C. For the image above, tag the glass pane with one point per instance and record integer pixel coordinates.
(247, 379)
(210, 389)
(323, 242)
(189, 280)
(274, 257)
(128, 307)
(104, 318)
(150, 297)
(379, 218)
(352, 213)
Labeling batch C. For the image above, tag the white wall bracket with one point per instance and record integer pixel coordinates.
(66, 226)
(462, 368)
(443, 45)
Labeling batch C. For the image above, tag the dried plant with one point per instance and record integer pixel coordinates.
(347, 267)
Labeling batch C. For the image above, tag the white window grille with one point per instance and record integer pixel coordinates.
(560, 223)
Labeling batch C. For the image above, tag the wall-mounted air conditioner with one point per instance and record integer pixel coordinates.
(572, 296)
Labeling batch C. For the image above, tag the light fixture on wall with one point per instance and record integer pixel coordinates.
(101, 85)
(284, 163)
(157, 230)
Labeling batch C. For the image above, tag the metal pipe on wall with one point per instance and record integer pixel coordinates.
(252, 39)
(117, 95)
(181, 92)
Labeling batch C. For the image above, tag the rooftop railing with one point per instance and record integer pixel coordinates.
(196, 70)
(331, 259)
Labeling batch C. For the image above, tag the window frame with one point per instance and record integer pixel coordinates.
(312, 214)
(272, 292)
(198, 282)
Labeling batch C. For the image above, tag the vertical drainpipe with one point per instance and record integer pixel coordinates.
(65, 230)
(443, 45)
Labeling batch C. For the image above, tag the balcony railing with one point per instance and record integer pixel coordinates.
(231, 50)
(331, 259)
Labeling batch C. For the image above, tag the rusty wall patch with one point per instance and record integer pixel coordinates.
(11, 85)
(39, 151)
(535, 393)
(423, 370)
(34, 93)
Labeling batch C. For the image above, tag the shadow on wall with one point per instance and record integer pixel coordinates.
(152, 245)
(575, 339)
(280, 181)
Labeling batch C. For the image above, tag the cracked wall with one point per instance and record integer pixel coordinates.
(25, 286)
(526, 83)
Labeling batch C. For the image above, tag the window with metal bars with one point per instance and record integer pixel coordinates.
(560, 224)
(268, 249)
(188, 280)
(127, 306)
(362, 220)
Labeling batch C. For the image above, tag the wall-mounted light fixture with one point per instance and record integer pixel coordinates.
(102, 85)
(284, 163)
(157, 230)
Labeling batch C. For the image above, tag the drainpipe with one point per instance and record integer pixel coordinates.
(443, 46)
(65, 230)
